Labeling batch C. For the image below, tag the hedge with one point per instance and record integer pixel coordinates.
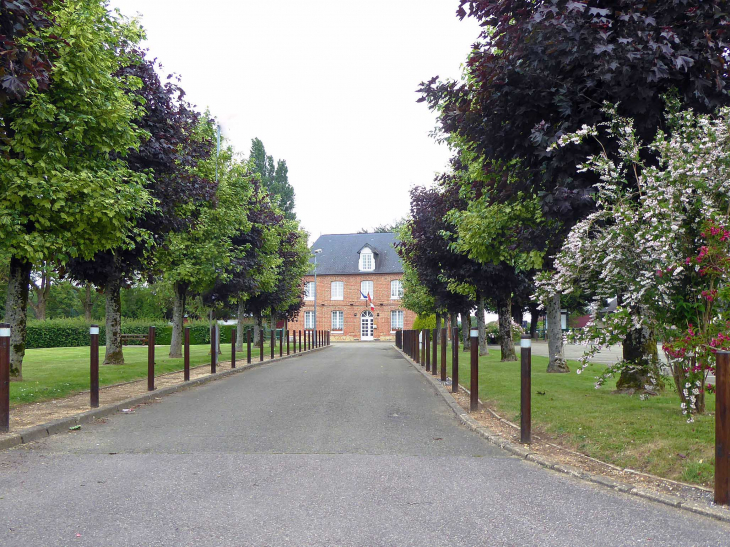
(58, 333)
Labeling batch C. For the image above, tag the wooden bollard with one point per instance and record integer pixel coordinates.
(287, 342)
(273, 342)
(261, 345)
(455, 360)
(186, 355)
(151, 359)
(434, 353)
(526, 389)
(474, 384)
(281, 343)
(5, 377)
(248, 346)
(722, 428)
(94, 367)
(213, 349)
(443, 354)
(427, 341)
(233, 347)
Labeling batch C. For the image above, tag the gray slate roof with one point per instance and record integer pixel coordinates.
(340, 253)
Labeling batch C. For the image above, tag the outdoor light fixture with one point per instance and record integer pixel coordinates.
(94, 329)
(474, 333)
(525, 341)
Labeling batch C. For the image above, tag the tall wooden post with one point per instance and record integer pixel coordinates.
(455, 360)
(526, 389)
(151, 359)
(722, 428)
(474, 384)
(233, 347)
(186, 355)
(94, 367)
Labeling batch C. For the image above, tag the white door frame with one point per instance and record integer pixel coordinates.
(366, 331)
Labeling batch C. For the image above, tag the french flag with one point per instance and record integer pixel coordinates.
(370, 300)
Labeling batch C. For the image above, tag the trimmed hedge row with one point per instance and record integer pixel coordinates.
(69, 333)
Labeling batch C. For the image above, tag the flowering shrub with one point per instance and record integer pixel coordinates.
(658, 242)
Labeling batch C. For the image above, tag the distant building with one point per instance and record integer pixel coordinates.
(349, 268)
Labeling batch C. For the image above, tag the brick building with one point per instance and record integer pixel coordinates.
(349, 267)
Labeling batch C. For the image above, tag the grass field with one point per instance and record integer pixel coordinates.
(59, 372)
(650, 436)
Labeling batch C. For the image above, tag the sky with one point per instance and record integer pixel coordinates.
(328, 85)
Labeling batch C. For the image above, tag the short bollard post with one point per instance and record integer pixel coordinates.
(526, 389)
(261, 344)
(300, 341)
(233, 347)
(94, 367)
(186, 355)
(455, 360)
(427, 341)
(722, 428)
(294, 342)
(281, 343)
(443, 355)
(151, 359)
(213, 349)
(5, 377)
(287, 342)
(474, 384)
(434, 353)
(248, 346)
(273, 342)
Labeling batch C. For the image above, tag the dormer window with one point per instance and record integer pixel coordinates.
(367, 260)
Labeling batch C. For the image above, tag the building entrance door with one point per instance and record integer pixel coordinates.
(366, 325)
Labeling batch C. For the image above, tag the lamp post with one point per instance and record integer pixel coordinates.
(314, 254)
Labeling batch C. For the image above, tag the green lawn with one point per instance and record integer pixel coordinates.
(650, 436)
(59, 372)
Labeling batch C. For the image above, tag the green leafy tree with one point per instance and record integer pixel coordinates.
(64, 191)
(274, 179)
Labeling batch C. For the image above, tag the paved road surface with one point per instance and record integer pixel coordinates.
(349, 446)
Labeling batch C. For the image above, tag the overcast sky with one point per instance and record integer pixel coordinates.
(327, 85)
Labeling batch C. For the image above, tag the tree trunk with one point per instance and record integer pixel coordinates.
(41, 293)
(465, 326)
(87, 303)
(556, 355)
(113, 292)
(178, 320)
(16, 313)
(257, 329)
(504, 313)
(483, 350)
(240, 335)
(534, 317)
(641, 370)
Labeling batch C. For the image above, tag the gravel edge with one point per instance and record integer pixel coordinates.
(523, 452)
(62, 425)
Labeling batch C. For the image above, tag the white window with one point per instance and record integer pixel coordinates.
(367, 261)
(338, 320)
(366, 287)
(309, 291)
(308, 319)
(396, 320)
(396, 289)
(338, 290)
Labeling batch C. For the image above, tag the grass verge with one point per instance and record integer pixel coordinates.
(52, 373)
(650, 436)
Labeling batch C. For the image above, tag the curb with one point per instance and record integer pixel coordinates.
(524, 453)
(62, 425)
